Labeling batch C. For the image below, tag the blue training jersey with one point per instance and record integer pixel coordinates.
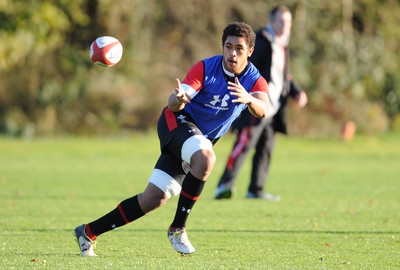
(211, 106)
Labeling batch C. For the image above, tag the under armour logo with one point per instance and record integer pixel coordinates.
(210, 80)
(182, 118)
(223, 101)
(185, 210)
(84, 247)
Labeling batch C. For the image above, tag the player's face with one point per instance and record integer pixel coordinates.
(235, 53)
(282, 24)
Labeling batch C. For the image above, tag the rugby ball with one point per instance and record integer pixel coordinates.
(106, 51)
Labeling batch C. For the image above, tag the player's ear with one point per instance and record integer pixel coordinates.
(251, 50)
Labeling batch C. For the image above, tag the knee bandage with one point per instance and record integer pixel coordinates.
(193, 144)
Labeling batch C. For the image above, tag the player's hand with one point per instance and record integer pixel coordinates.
(180, 93)
(238, 90)
(301, 99)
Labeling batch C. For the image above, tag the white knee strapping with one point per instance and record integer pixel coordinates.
(193, 144)
(165, 182)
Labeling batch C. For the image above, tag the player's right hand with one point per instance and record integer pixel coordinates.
(180, 93)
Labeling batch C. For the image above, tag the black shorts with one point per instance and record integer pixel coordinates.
(174, 128)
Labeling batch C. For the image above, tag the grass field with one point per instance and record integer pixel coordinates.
(340, 207)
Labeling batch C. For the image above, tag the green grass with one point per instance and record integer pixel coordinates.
(340, 207)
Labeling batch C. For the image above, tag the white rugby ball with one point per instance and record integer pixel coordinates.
(106, 51)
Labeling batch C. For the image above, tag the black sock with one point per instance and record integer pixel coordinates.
(126, 212)
(191, 190)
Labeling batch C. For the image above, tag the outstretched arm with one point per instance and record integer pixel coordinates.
(178, 98)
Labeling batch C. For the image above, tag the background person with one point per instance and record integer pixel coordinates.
(271, 58)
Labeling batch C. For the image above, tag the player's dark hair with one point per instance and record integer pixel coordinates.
(278, 9)
(240, 29)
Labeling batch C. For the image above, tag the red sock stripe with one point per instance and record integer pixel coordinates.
(89, 233)
(193, 198)
(121, 211)
(173, 228)
(170, 118)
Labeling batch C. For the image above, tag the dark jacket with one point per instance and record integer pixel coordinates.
(262, 59)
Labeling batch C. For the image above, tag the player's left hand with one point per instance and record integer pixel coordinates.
(238, 90)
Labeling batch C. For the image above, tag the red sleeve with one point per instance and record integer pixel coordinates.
(195, 76)
(261, 85)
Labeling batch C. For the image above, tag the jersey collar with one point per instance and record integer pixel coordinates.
(229, 76)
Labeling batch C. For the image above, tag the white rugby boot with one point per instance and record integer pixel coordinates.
(86, 245)
(180, 241)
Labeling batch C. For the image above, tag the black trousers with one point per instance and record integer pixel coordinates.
(262, 138)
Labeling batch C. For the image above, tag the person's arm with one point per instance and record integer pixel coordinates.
(257, 102)
(178, 98)
(184, 92)
(298, 94)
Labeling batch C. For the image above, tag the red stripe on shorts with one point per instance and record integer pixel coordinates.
(170, 119)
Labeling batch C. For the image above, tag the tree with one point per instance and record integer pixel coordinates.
(344, 54)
